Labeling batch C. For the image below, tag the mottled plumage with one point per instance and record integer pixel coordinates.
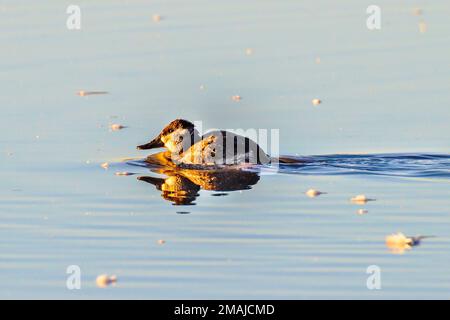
(215, 148)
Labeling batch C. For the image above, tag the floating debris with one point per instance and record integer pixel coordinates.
(417, 11)
(361, 199)
(398, 239)
(236, 98)
(398, 243)
(161, 242)
(124, 173)
(312, 193)
(316, 102)
(202, 87)
(105, 280)
(318, 60)
(116, 127)
(83, 93)
(156, 18)
(362, 212)
(423, 27)
(105, 165)
(249, 51)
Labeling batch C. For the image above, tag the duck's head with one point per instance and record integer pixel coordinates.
(176, 137)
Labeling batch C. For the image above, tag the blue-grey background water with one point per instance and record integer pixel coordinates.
(385, 94)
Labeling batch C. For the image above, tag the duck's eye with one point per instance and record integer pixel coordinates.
(181, 138)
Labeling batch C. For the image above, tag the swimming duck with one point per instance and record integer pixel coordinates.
(215, 148)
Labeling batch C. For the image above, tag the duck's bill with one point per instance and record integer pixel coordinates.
(155, 143)
(154, 181)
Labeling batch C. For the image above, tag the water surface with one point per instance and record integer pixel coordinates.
(382, 130)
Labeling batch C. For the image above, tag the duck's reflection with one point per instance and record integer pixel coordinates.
(181, 186)
(175, 188)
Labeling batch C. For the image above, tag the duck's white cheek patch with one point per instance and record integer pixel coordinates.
(183, 133)
(171, 146)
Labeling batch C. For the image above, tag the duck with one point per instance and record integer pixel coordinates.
(185, 147)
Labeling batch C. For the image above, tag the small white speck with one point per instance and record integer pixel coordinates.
(361, 199)
(157, 18)
(123, 173)
(105, 280)
(116, 127)
(312, 193)
(362, 212)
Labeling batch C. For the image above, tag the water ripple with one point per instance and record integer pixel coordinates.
(393, 164)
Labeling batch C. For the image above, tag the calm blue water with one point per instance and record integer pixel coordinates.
(382, 130)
